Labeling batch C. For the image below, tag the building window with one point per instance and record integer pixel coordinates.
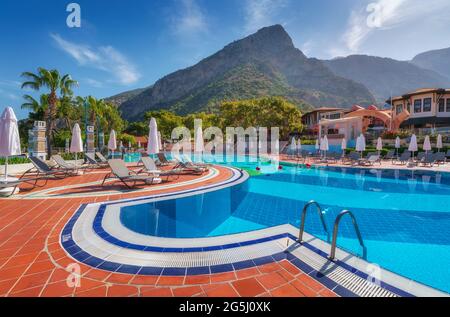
(418, 105)
(399, 109)
(441, 105)
(448, 105)
(427, 105)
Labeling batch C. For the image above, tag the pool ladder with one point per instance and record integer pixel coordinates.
(335, 229)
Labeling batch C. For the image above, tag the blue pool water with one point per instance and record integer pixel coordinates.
(404, 216)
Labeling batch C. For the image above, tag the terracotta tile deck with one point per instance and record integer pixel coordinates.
(32, 263)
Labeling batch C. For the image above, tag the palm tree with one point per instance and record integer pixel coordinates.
(54, 82)
(38, 107)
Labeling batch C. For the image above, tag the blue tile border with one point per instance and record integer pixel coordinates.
(77, 253)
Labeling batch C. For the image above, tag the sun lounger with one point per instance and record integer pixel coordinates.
(151, 168)
(428, 160)
(63, 165)
(390, 155)
(91, 161)
(404, 158)
(189, 167)
(120, 171)
(440, 158)
(420, 156)
(42, 170)
(101, 157)
(371, 160)
(15, 183)
(163, 161)
(352, 158)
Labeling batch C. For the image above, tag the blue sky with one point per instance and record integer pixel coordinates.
(123, 45)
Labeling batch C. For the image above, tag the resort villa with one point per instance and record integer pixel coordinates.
(425, 108)
(425, 111)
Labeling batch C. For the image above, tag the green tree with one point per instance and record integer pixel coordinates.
(166, 121)
(264, 112)
(55, 83)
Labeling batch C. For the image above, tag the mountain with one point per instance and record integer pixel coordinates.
(384, 76)
(265, 63)
(119, 99)
(437, 60)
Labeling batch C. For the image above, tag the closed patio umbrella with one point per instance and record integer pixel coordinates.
(299, 145)
(9, 137)
(343, 146)
(361, 144)
(379, 145)
(293, 146)
(199, 146)
(413, 145)
(397, 145)
(439, 142)
(153, 143)
(76, 143)
(427, 144)
(324, 146)
(112, 143)
(317, 147)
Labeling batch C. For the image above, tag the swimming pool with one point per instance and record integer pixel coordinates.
(404, 216)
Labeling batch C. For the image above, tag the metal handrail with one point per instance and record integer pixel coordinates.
(335, 234)
(302, 223)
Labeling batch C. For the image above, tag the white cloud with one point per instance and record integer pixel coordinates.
(9, 95)
(94, 83)
(262, 13)
(105, 58)
(383, 15)
(189, 20)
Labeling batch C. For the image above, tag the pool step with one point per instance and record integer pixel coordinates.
(344, 278)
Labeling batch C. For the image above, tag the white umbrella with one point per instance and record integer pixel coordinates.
(112, 143)
(397, 144)
(293, 146)
(299, 145)
(343, 146)
(361, 144)
(9, 137)
(76, 143)
(317, 145)
(413, 145)
(199, 146)
(139, 144)
(379, 145)
(153, 143)
(324, 145)
(129, 144)
(427, 144)
(439, 142)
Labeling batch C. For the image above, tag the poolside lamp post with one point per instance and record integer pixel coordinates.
(439, 142)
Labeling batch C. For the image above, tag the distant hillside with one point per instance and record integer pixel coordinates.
(438, 60)
(385, 76)
(118, 99)
(265, 63)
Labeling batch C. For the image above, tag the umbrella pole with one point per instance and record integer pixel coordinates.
(6, 169)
